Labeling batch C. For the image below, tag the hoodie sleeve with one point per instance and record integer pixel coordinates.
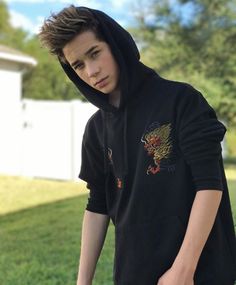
(200, 135)
(92, 170)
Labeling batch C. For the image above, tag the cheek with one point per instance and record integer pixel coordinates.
(82, 76)
(109, 63)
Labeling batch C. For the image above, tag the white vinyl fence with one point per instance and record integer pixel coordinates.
(48, 140)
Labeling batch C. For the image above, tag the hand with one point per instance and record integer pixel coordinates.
(174, 276)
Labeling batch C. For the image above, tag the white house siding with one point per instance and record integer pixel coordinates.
(10, 119)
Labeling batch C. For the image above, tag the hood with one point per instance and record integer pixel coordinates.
(132, 75)
(126, 55)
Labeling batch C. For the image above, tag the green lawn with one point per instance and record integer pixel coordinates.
(40, 233)
(40, 245)
(18, 193)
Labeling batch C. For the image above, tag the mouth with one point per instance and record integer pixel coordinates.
(101, 82)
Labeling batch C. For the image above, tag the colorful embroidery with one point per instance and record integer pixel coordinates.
(119, 183)
(158, 144)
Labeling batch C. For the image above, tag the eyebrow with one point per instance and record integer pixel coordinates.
(87, 53)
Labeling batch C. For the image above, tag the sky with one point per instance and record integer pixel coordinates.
(29, 14)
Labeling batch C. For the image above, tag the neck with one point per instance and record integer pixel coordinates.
(114, 98)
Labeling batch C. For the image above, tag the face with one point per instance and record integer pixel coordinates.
(93, 61)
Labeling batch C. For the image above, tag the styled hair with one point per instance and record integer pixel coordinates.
(59, 29)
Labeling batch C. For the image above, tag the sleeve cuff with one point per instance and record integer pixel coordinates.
(96, 210)
(207, 175)
(97, 200)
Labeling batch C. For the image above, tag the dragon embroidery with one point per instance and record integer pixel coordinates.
(158, 144)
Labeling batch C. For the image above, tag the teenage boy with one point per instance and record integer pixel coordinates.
(151, 157)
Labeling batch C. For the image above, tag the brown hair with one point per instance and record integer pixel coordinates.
(59, 29)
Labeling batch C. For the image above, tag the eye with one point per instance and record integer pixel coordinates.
(79, 66)
(95, 53)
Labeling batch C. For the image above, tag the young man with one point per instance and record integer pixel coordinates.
(151, 157)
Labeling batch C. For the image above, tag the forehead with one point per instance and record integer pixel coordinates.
(80, 44)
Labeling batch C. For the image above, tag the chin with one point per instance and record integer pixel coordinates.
(107, 90)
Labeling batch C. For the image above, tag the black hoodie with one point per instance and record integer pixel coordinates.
(144, 162)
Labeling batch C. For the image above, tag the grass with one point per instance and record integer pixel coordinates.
(40, 245)
(40, 231)
(18, 193)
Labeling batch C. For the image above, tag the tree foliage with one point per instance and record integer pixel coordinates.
(45, 81)
(199, 49)
(4, 16)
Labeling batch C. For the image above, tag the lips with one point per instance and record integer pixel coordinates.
(101, 82)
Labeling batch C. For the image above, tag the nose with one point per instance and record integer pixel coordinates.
(92, 69)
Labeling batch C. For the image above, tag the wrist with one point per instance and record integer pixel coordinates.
(184, 267)
(187, 259)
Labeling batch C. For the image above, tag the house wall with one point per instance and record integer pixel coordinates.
(10, 119)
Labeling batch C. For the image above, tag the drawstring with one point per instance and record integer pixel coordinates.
(124, 170)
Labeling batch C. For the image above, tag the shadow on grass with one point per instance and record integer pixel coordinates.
(41, 245)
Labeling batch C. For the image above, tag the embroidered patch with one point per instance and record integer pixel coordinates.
(158, 144)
